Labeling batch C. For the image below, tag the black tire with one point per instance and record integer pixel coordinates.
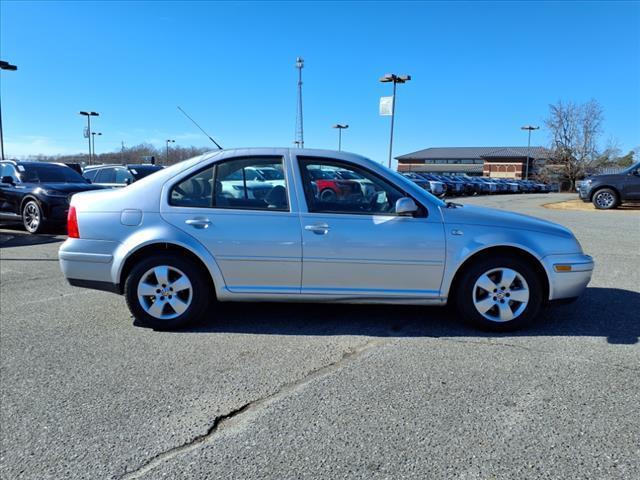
(605, 199)
(32, 217)
(328, 195)
(465, 295)
(200, 296)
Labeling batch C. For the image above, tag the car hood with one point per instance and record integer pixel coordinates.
(491, 217)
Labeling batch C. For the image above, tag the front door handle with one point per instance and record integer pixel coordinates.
(318, 229)
(198, 222)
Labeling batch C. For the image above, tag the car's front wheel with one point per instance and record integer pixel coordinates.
(165, 292)
(605, 199)
(499, 294)
(32, 217)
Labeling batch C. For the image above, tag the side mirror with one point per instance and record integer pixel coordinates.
(128, 181)
(406, 206)
(7, 179)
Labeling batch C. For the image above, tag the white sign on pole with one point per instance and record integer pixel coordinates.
(386, 106)
(85, 132)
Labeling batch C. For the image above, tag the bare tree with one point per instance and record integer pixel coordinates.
(574, 129)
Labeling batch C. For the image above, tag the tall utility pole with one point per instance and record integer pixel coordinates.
(122, 152)
(340, 128)
(4, 66)
(168, 141)
(89, 115)
(529, 128)
(299, 140)
(392, 77)
(93, 138)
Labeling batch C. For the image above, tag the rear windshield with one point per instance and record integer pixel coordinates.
(48, 173)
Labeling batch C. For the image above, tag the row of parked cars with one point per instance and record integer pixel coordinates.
(459, 185)
(37, 194)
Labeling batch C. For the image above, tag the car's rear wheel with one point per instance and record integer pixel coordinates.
(605, 199)
(165, 292)
(32, 217)
(499, 294)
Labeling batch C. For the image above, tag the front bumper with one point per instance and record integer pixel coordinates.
(88, 263)
(568, 275)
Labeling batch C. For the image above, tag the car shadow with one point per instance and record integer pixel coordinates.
(599, 312)
(16, 236)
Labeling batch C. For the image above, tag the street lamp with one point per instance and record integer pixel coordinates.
(93, 137)
(13, 68)
(89, 115)
(392, 77)
(169, 141)
(529, 128)
(340, 128)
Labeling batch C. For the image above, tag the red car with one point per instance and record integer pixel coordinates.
(331, 188)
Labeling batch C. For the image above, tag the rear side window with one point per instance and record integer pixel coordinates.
(235, 184)
(241, 185)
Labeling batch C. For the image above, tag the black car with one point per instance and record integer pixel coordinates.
(118, 175)
(38, 193)
(609, 191)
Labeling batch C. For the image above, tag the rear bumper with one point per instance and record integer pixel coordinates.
(88, 263)
(568, 275)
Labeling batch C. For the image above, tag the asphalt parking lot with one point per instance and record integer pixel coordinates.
(322, 391)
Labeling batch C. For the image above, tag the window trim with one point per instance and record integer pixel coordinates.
(423, 212)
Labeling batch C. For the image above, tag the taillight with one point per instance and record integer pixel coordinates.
(72, 223)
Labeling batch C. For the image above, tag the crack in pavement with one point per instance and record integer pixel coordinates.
(236, 416)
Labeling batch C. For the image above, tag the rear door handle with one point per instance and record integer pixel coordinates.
(318, 229)
(198, 222)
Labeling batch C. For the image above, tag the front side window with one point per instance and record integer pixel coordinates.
(106, 175)
(333, 186)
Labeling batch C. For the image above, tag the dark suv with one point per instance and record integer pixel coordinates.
(38, 193)
(608, 191)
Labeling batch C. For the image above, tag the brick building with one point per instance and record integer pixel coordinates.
(501, 162)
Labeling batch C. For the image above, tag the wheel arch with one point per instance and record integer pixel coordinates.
(500, 251)
(156, 248)
(595, 190)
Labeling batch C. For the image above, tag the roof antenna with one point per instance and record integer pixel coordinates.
(194, 122)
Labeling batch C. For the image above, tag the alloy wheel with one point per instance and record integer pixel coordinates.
(31, 217)
(605, 199)
(501, 294)
(164, 292)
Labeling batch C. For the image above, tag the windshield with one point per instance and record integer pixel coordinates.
(48, 173)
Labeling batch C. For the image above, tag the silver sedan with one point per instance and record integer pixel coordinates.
(208, 230)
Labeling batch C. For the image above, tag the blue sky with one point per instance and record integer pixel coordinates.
(480, 71)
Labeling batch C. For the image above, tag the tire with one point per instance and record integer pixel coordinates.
(32, 217)
(174, 305)
(482, 302)
(605, 199)
(328, 195)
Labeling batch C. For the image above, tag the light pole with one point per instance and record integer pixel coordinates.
(89, 115)
(529, 128)
(93, 138)
(392, 77)
(340, 128)
(169, 141)
(13, 68)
